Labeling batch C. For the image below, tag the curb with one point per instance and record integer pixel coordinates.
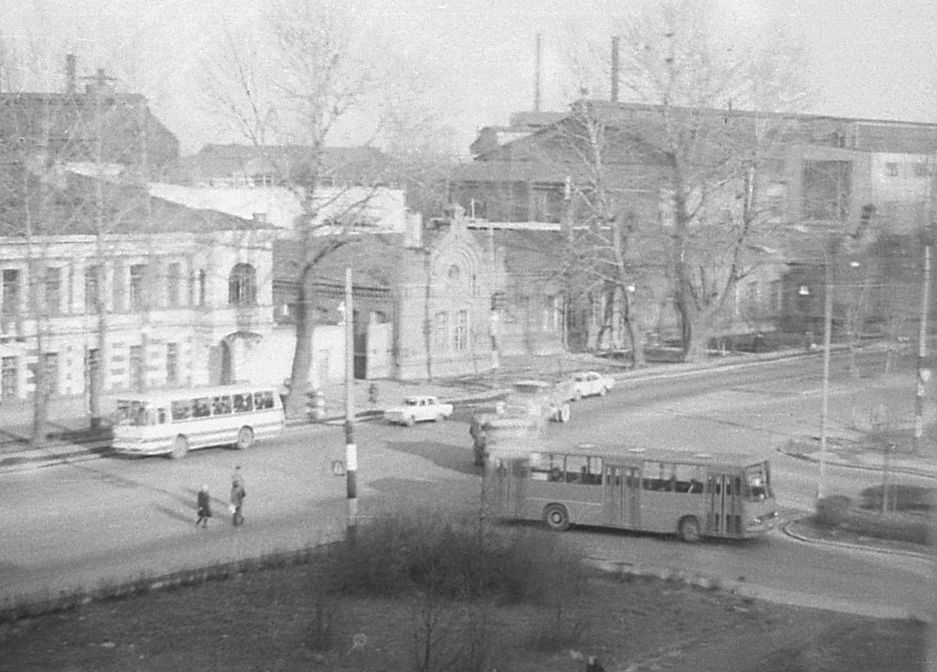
(786, 529)
(910, 471)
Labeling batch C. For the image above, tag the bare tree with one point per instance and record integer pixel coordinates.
(317, 74)
(713, 156)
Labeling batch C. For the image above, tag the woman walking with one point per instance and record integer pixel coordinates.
(203, 503)
(238, 493)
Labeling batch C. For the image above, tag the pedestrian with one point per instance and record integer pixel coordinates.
(238, 493)
(593, 665)
(204, 507)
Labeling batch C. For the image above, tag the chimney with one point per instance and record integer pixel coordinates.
(537, 63)
(616, 68)
(70, 73)
(259, 217)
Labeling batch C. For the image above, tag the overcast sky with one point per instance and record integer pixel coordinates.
(867, 58)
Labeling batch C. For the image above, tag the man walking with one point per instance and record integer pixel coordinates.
(203, 502)
(238, 493)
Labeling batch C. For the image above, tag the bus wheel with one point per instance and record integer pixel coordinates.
(180, 446)
(556, 517)
(689, 529)
(245, 438)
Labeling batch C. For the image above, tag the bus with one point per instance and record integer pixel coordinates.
(689, 494)
(174, 422)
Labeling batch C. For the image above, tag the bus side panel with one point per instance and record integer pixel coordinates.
(662, 511)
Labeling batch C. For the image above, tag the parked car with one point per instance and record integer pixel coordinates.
(418, 409)
(538, 397)
(591, 383)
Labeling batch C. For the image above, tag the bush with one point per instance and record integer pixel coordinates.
(831, 511)
(896, 527)
(900, 498)
(456, 558)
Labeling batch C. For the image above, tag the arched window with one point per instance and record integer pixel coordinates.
(242, 285)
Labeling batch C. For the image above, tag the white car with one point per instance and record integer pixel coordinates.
(540, 398)
(590, 383)
(418, 409)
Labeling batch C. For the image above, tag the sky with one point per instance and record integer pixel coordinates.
(866, 58)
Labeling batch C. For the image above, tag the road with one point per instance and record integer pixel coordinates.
(86, 523)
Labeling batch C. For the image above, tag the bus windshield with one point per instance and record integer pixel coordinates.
(133, 413)
(757, 482)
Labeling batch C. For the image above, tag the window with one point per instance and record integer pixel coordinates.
(173, 278)
(242, 285)
(461, 330)
(551, 313)
(10, 306)
(201, 407)
(200, 287)
(52, 286)
(92, 288)
(827, 189)
(243, 403)
(891, 169)
(8, 379)
(547, 467)
(263, 400)
(221, 405)
(137, 287)
(52, 373)
(136, 366)
(920, 169)
(172, 363)
(441, 331)
(181, 409)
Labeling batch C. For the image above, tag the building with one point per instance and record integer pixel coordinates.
(165, 296)
(816, 178)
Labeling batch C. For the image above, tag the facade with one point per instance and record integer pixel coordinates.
(181, 296)
(821, 178)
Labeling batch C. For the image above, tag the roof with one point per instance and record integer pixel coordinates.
(352, 165)
(66, 205)
(375, 259)
(627, 453)
(528, 252)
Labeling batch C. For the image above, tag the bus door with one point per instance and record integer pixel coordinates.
(621, 495)
(725, 504)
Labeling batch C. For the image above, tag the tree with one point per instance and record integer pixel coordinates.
(713, 157)
(317, 75)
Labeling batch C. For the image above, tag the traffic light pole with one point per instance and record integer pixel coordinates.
(351, 450)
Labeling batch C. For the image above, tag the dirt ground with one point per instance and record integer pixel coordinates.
(269, 620)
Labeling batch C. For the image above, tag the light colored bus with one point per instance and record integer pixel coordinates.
(678, 492)
(174, 422)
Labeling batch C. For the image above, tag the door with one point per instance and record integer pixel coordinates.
(621, 496)
(725, 504)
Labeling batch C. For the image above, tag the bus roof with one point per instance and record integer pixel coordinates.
(157, 396)
(627, 453)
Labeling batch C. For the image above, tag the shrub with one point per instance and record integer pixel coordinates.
(901, 497)
(897, 527)
(831, 511)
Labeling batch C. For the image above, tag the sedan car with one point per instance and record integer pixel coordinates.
(590, 383)
(418, 409)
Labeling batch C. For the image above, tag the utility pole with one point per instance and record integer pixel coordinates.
(351, 450)
(827, 344)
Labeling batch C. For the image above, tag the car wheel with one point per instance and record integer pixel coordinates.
(689, 529)
(245, 438)
(180, 447)
(411, 421)
(603, 391)
(556, 517)
(440, 417)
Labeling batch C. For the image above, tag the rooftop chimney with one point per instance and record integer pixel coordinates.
(70, 73)
(616, 68)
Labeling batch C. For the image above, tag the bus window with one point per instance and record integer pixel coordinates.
(161, 417)
(577, 468)
(243, 403)
(757, 485)
(688, 478)
(131, 413)
(263, 400)
(201, 408)
(181, 409)
(544, 467)
(221, 405)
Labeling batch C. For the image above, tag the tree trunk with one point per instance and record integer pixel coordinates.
(41, 395)
(302, 355)
(636, 341)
